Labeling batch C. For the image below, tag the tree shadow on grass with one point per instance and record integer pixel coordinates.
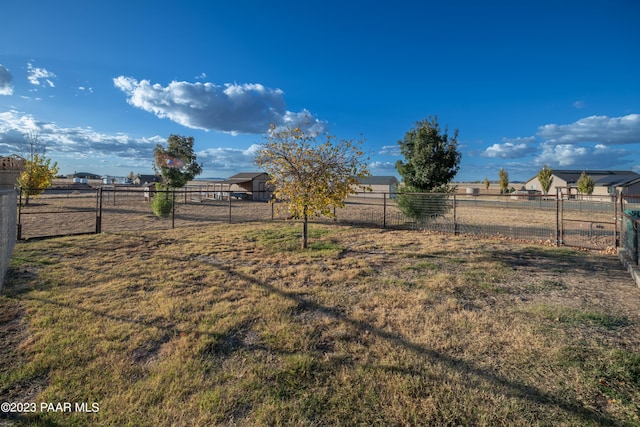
(235, 339)
(515, 389)
(557, 260)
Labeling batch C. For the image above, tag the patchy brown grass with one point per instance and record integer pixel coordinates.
(234, 325)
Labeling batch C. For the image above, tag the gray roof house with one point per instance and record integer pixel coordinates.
(607, 182)
(245, 185)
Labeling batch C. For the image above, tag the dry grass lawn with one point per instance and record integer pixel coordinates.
(232, 324)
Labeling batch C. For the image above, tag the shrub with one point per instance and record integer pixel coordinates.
(162, 202)
(423, 206)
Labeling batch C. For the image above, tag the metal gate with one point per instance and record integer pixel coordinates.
(588, 224)
(59, 212)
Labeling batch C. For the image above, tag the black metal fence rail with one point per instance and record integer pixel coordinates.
(58, 212)
(630, 213)
(593, 224)
(582, 223)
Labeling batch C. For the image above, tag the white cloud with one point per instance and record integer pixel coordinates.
(382, 167)
(75, 142)
(390, 150)
(232, 108)
(40, 76)
(511, 148)
(6, 88)
(228, 159)
(579, 104)
(587, 143)
(13, 120)
(594, 129)
(599, 156)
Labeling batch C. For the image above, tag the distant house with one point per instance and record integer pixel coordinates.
(144, 180)
(245, 185)
(607, 183)
(116, 180)
(86, 175)
(376, 186)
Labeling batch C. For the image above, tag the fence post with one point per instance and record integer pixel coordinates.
(173, 209)
(621, 210)
(616, 241)
(455, 222)
(635, 241)
(557, 218)
(384, 210)
(19, 225)
(229, 194)
(99, 194)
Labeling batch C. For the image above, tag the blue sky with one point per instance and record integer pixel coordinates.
(526, 83)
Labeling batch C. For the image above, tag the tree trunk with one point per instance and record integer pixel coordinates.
(305, 221)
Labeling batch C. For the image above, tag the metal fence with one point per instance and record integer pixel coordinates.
(581, 223)
(7, 229)
(592, 224)
(111, 208)
(630, 212)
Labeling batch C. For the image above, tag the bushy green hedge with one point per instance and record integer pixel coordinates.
(162, 203)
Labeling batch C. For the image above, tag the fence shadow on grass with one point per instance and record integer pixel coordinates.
(230, 343)
(516, 389)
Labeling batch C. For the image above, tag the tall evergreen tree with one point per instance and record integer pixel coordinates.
(431, 162)
(432, 158)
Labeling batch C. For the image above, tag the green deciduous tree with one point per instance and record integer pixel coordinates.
(486, 184)
(545, 177)
(39, 172)
(503, 180)
(177, 162)
(586, 184)
(432, 160)
(309, 176)
(177, 165)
